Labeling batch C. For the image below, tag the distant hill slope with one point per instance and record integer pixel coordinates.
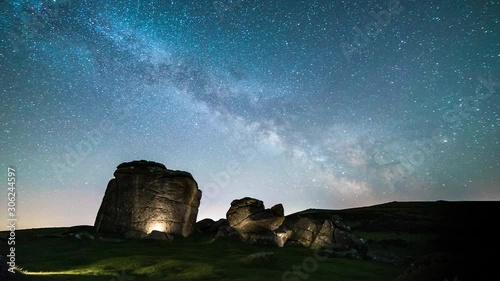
(463, 227)
(439, 216)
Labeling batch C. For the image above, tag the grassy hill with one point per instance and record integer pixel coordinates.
(398, 234)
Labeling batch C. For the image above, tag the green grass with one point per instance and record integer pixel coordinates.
(189, 259)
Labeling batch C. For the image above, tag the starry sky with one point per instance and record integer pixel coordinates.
(313, 104)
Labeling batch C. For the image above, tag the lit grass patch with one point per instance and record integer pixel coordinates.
(177, 270)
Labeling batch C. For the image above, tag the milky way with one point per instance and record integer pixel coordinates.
(313, 104)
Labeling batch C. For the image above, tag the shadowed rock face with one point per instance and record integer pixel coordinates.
(248, 215)
(329, 234)
(146, 196)
(210, 226)
(254, 224)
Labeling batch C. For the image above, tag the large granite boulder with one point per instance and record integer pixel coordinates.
(248, 215)
(255, 224)
(145, 196)
(332, 234)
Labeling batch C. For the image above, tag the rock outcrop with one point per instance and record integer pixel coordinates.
(145, 196)
(248, 215)
(254, 224)
(332, 234)
(249, 221)
(227, 232)
(209, 226)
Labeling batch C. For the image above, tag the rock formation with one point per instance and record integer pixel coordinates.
(209, 226)
(147, 200)
(253, 223)
(332, 234)
(145, 196)
(248, 215)
(249, 221)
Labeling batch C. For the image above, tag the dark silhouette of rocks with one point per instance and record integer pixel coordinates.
(209, 226)
(145, 196)
(332, 234)
(227, 232)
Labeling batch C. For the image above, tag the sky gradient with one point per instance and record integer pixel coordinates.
(313, 104)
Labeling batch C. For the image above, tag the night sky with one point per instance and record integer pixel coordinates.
(313, 104)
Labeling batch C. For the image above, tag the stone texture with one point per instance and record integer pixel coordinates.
(255, 224)
(304, 230)
(250, 222)
(342, 240)
(324, 237)
(146, 196)
(248, 215)
(282, 236)
(227, 232)
(332, 234)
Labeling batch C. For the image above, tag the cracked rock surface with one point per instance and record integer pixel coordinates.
(145, 196)
(248, 215)
(332, 234)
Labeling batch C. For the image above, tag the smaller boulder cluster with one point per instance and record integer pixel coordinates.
(248, 220)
